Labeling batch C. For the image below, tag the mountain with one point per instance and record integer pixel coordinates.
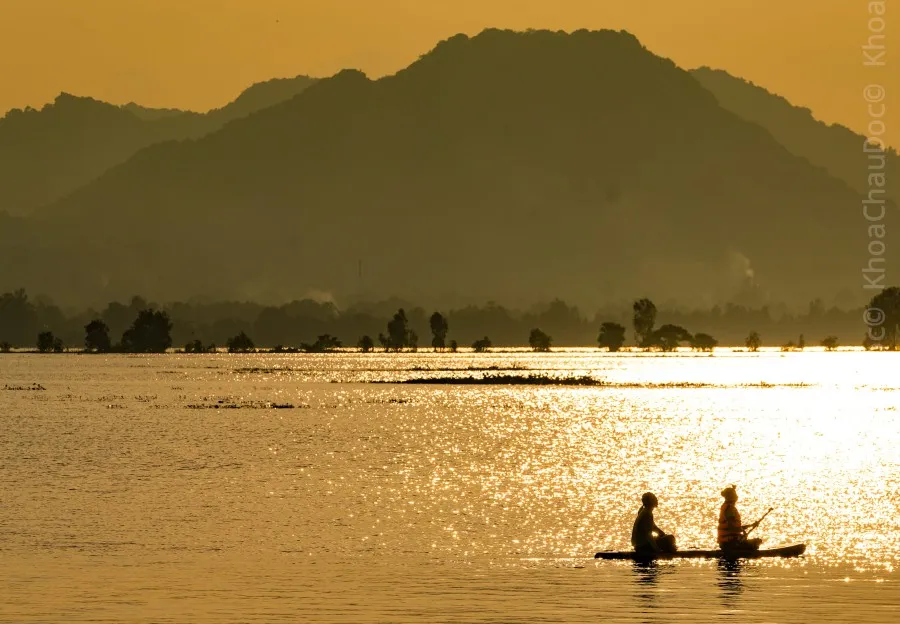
(457, 180)
(46, 154)
(836, 148)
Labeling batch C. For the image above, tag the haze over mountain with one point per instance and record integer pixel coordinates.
(507, 166)
(46, 154)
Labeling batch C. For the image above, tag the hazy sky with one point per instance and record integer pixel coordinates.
(199, 54)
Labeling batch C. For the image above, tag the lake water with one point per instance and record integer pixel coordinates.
(168, 488)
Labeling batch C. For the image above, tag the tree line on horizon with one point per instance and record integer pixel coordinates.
(153, 330)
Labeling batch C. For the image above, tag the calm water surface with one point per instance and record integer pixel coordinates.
(168, 488)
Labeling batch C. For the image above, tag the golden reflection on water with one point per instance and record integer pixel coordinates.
(134, 459)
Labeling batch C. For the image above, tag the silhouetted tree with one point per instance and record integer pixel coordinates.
(240, 344)
(197, 346)
(801, 342)
(47, 343)
(482, 345)
(366, 344)
(868, 343)
(18, 317)
(412, 341)
(644, 319)
(539, 341)
(398, 332)
(753, 341)
(150, 333)
(830, 343)
(96, 337)
(5, 347)
(668, 337)
(612, 336)
(454, 346)
(885, 307)
(439, 328)
(703, 342)
(323, 344)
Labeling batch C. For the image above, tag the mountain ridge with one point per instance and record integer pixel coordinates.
(620, 175)
(46, 154)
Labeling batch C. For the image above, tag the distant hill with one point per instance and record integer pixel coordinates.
(46, 154)
(457, 179)
(260, 96)
(834, 147)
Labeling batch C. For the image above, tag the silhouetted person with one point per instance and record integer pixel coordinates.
(642, 534)
(732, 535)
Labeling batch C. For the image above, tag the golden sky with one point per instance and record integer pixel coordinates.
(199, 54)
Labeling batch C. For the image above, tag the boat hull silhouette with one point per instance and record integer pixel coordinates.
(794, 550)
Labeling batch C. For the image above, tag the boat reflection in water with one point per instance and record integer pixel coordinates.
(730, 583)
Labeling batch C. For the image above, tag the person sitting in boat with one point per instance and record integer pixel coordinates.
(642, 535)
(732, 535)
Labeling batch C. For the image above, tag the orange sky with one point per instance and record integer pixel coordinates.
(199, 54)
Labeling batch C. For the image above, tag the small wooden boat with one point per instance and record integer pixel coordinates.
(794, 550)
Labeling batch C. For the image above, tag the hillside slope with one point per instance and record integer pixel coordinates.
(834, 147)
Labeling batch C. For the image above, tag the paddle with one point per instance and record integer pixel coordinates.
(756, 524)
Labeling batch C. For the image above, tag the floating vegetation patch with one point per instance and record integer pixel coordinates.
(583, 380)
(391, 401)
(494, 367)
(507, 380)
(240, 404)
(35, 387)
(258, 370)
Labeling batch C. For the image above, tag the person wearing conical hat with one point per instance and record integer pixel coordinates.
(731, 533)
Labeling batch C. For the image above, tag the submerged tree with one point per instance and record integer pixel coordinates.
(482, 345)
(150, 333)
(644, 319)
(197, 346)
(96, 337)
(753, 341)
(398, 332)
(883, 318)
(703, 342)
(454, 346)
(668, 337)
(323, 344)
(612, 336)
(47, 343)
(439, 328)
(366, 344)
(19, 318)
(539, 341)
(5, 347)
(240, 343)
(830, 343)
